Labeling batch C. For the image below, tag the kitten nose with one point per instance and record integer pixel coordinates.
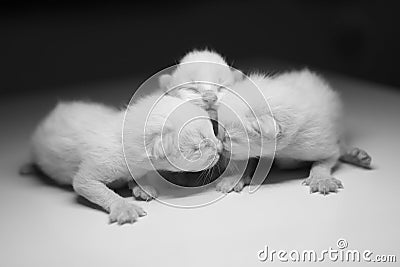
(209, 97)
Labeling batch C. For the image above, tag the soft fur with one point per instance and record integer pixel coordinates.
(80, 143)
(305, 124)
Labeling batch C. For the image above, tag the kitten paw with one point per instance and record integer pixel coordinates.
(122, 211)
(323, 185)
(239, 186)
(360, 157)
(263, 125)
(246, 179)
(144, 193)
(228, 184)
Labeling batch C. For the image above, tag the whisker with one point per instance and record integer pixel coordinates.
(204, 176)
(209, 175)
(212, 175)
(199, 178)
(219, 170)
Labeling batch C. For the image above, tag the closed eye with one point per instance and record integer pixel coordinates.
(192, 89)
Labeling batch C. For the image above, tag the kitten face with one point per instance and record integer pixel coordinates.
(192, 148)
(202, 83)
(199, 148)
(184, 144)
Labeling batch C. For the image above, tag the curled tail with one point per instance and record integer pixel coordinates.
(355, 156)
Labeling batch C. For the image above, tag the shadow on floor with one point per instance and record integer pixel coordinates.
(275, 176)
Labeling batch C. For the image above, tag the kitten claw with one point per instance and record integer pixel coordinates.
(306, 181)
(323, 185)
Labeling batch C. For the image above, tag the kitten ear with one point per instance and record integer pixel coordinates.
(264, 125)
(161, 144)
(238, 75)
(164, 81)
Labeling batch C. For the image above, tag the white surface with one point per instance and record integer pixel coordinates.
(43, 225)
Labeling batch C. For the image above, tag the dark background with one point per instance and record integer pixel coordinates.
(50, 43)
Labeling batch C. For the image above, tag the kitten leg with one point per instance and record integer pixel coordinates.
(248, 173)
(245, 180)
(87, 184)
(227, 184)
(144, 192)
(320, 179)
(233, 183)
(356, 156)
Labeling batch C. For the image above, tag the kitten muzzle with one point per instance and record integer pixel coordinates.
(209, 97)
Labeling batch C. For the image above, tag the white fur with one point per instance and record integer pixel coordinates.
(80, 143)
(306, 110)
(305, 120)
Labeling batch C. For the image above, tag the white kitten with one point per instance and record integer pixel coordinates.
(305, 124)
(200, 77)
(81, 144)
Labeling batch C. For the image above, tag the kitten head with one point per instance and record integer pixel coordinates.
(198, 146)
(200, 77)
(183, 141)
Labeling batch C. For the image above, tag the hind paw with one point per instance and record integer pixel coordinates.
(357, 157)
(361, 157)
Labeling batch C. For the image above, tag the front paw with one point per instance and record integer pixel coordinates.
(122, 211)
(145, 192)
(263, 125)
(229, 184)
(323, 185)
